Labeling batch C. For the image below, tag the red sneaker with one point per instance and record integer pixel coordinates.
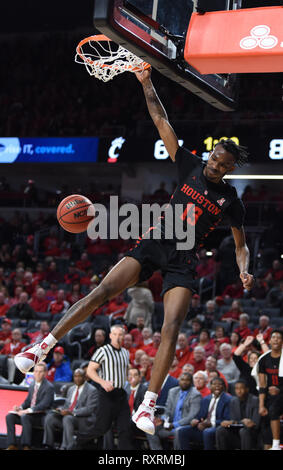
(30, 357)
(144, 418)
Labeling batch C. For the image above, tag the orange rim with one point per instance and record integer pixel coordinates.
(102, 37)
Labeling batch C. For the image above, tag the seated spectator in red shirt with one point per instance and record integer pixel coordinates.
(3, 306)
(86, 278)
(264, 328)
(72, 275)
(275, 273)
(117, 307)
(128, 344)
(75, 294)
(259, 290)
(243, 328)
(205, 342)
(155, 283)
(52, 275)
(234, 290)
(84, 263)
(220, 336)
(175, 370)
(39, 274)
(145, 368)
(52, 292)
(51, 245)
(146, 337)
(200, 381)
(16, 298)
(29, 284)
(136, 333)
(5, 332)
(234, 313)
(14, 346)
(99, 338)
(196, 328)
(183, 350)
(137, 362)
(39, 302)
(198, 358)
(151, 349)
(39, 335)
(60, 305)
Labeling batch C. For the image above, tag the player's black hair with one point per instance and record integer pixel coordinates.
(239, 152)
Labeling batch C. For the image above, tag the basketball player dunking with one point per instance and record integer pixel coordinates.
(200, 185)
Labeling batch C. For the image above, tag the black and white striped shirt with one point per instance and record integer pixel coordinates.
(113, 364)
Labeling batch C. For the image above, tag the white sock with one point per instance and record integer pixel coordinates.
(276, 443)
(49, 340)
(150, 399)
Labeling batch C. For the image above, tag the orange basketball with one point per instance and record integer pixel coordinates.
(72, 213)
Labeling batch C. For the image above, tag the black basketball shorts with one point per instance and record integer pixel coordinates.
(177, 266)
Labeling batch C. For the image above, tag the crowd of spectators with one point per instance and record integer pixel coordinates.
(218, 336)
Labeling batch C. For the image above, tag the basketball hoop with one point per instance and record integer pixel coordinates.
(104, 59)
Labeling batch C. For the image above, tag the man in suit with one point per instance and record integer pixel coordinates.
(214, 409)
(78, 413)
(183, 403)
(241, 431)
(31, 413)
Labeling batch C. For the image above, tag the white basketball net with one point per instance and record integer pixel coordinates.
(104, 59)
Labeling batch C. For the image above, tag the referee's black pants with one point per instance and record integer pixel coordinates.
(113, 406)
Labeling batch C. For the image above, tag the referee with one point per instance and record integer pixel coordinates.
(108, 367)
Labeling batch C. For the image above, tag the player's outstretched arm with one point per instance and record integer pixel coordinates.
(243, 257)
(158, 113)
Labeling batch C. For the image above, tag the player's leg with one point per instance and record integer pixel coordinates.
(124, 274)
(176, 305)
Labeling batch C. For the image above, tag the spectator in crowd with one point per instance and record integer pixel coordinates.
(175, 370)
(241, 430)
(270, 376)
(188, 368)
(83, 264)
(183, 403)
(198, 358)
(59, 369)
(135, 390)
(117, 307)
(214, 409)
(243, 328)
(205, 342)
(235, 340)
(212, 372)
(246, 367)
(39, 303)
(219, 337)
(200, 380)
(99, 341)
(32, 411)
(151, 349)
(259, 290)
(195, 307)
(40, 334)
(77, 414)
(52, 274)
(275, 273)
(137, 333)
(234, 313)
(141, 304)
(52, 292)
(196, 328)
(75, 294)
(128, 344)
(209, 314)
(10, 349)
(3, 305)
(274, 298)
(145, 368)
(5, 332)
(234, 290)
(183, 351)
(146, 337)
(263, 328)
(60, 305)
(227, 366)
(72, 275)
(16, 298)
(22, 310)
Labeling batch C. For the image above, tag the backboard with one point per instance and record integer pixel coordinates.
(155, 30)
